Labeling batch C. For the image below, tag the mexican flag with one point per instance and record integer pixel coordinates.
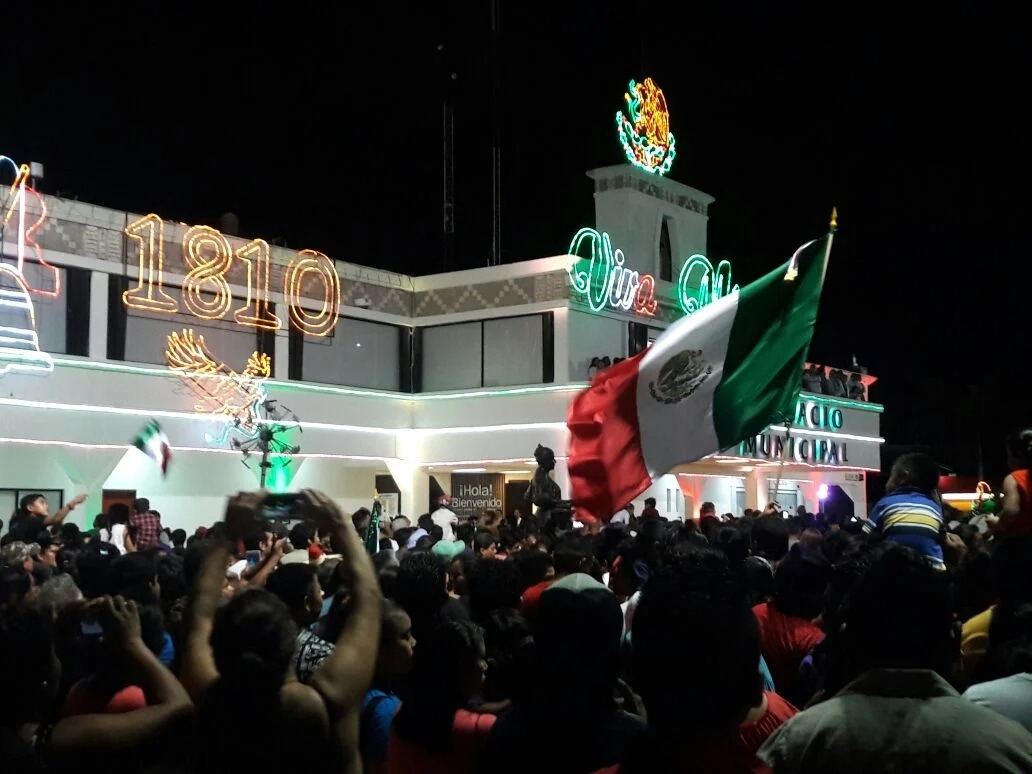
(153, 442)
(710, 381)
(372, 535)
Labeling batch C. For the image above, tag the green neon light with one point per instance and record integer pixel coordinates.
(708, 283)
(644, 132)
(115, 367)
(601, 277)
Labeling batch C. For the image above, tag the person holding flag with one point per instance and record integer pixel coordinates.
(710, 381)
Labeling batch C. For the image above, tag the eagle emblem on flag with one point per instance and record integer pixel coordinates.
(680, 377)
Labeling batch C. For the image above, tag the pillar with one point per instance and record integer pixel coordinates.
(98, 339)
(414, 483)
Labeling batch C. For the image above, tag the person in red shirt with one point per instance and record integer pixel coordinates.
(787, 628)
(145, 524)
(433, 732)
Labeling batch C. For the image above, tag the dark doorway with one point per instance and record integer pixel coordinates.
(112, 496)
(515, 497)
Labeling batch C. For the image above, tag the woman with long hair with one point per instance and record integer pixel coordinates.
(433, 731)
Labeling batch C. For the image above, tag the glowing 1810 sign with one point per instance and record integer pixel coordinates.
(606, 282)
(206, 293)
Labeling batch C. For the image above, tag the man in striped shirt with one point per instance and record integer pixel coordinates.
(910, 513)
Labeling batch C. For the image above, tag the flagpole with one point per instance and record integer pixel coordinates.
(790, 275)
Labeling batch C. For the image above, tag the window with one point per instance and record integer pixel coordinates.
(358, 353)
(452, 356)
(513, 349)
(501, 352)
(146, 335)
(666, 253)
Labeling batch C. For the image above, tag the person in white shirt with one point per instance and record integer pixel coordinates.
(445, 518)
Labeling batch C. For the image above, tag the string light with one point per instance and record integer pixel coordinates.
(644, 132)
(255, 310)
(305, 262)
(713, 283)
(234, 395)
(196, 449)
(20, 190)
(209, 256)
(149, 294)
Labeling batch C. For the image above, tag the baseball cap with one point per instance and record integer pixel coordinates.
(577, 582)
(18, 551)
(448, 549)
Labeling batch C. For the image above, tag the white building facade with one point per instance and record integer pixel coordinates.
(411, 386)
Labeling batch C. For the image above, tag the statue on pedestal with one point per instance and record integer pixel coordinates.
(553, 513)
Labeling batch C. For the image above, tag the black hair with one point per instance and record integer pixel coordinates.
(442, 658)
(917, 470)
(291, 583)
(900, 593)
(693, 600)
(253, 641)
(800, 582)
(1019, 445)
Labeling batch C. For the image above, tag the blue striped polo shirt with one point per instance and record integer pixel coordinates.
(910, 517)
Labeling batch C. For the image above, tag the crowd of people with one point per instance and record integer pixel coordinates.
(752, 644)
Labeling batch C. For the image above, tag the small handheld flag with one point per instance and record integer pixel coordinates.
(153, 442)
(372, 535)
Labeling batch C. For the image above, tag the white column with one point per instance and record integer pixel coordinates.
(281, 357)
(561, 345)
(98, 316)
(562, 478)
(414, 483)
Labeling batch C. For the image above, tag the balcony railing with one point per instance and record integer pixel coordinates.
(836, 382)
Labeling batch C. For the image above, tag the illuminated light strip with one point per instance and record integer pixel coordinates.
(329, 390)
(149, 294)
(325, 321)
(26, 234)
(606, 281)
(91, 409)
(788, 464)
(256, 312)
(209, 256)
(484, 462)
(827, 434)
(194, 417)
(192, 449)
(490, 428)
(713, 285)
(645, 135)
(863, 405)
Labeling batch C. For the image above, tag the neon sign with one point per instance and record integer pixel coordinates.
(206, 293)
(606, 282)
(218, 389)
(603, 279)
(19, 341)
(700, 284)
(644, 131)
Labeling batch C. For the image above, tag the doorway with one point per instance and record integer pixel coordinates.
(515, 497)
(112, 496)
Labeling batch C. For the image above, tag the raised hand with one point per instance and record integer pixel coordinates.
(120, 621)
(243, 514)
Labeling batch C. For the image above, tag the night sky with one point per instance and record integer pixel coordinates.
(323, 128)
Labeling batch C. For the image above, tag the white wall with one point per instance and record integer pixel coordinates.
(670, 501)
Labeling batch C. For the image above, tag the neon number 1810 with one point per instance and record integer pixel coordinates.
(206, 292)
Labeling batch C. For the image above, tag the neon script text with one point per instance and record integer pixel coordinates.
(602, 278)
